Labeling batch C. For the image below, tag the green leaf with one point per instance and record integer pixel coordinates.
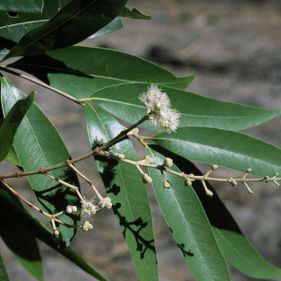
(13, 28)
(3, 272)
(114, 25)
(123, 101)
(13, 234)
(69, 70)
(189, 225)
(28, 6)
(11, 123)
(72, 24)
(41, 232)
(127, 191)
(12, 157)
(134, 14)
(224, 148)
(233, 244)
(37, 145)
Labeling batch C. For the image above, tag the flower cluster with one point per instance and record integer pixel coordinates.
(88, 208)
(159, 109)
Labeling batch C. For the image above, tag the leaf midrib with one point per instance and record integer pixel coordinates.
(121, 176)
(22, 23)
(188, 228)
(181, 113)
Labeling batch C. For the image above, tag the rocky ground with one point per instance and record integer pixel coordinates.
(234, 49)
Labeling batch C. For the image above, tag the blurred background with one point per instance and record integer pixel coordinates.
(233, 47)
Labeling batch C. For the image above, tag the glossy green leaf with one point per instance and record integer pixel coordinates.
(28, 6)
(127, 191)
(13, 28)
(123, 101)
(11, 123)
(189, 225)
(37, 145)
(134, 14)
(41, 232)
(13, 234)
(72, 24)
(69, 70)
(3, 272)
(224, 148)
(233, 244)
(114, 25)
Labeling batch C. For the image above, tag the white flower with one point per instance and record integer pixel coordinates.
(71, 209)
(155, 99)
(87, 226)
(88, 208)
(169, 119)
(168, 162)
(105, 202)
(159, 109)
(146, 178)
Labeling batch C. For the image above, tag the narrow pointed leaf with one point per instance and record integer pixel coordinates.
(38, 145)
(224, 148)
(11, 123)
(128, 193)
(189, 225)
(41, 232)
(28, 6)
(234, 246)
(134, 14)
(13, 234)
(69, 70)
(123, 101)
(72, 24)
(114, 25)
(3, 272)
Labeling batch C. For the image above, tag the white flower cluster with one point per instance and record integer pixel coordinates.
(159, 109)
(88, 208)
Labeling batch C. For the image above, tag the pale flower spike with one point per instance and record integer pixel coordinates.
(159, 109)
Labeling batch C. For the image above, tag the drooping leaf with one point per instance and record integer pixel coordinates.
(38, 145)
(123, 101)
(28, 6)
(72, 24)
(64, 69)
(3, 272)
(189, 225)
(234, 246)
(14, 27)
(224, 148)
(20, 241)
(11, 123)
(134, 14)
(128, 193)
(42, 233)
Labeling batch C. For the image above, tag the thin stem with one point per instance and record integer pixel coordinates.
(40, 83)
(71, 186)
(31, 205)
(87, 180)
(94, 152)
(205, 177)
